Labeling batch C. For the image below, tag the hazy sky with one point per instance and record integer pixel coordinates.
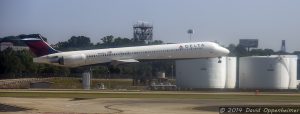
(225, 21)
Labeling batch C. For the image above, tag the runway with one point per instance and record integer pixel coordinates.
(168, 103)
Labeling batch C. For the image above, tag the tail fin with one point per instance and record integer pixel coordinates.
(37, 45)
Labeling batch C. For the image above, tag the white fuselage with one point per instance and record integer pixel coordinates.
(127, 54)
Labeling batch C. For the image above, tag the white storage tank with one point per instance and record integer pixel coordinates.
(268, 72)
(204, 73)
(293, 71)
(230, 72)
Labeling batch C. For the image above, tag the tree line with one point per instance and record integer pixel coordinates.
(83, 42)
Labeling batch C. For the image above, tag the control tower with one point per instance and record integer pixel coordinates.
(143, 31)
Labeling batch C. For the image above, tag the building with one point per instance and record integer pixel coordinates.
(5, 45)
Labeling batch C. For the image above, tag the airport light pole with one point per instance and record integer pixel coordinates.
(172, 70)
(108, 77)
(190, 32)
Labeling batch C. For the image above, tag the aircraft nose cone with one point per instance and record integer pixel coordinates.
(224, 51)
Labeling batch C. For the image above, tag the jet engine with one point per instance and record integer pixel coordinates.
(69, 60)
(72, 60)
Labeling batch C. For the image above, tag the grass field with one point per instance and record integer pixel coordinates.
(177, 95)
(75, 83)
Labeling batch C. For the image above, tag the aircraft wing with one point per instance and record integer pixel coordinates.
(117, 62)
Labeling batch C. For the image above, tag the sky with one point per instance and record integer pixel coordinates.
(224, 21)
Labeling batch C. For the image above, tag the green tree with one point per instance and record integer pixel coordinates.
(75, 43)
(156, 42)
(79, 41)
(107, 40)
(26, 60)
(261, 52)
(232, 49)
(122, 42)
(241, 51)
(13, 39)
(10, 62)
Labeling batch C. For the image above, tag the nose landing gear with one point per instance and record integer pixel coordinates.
(219, 61)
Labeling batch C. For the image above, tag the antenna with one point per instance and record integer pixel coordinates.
(283, 48)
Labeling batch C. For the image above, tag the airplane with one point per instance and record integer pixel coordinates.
(115, 56)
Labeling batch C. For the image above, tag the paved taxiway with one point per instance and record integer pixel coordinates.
(123, 105)
(165, 103)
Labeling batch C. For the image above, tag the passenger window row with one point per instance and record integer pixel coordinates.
(143, 52)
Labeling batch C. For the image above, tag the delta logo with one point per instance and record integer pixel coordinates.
(191, 46)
